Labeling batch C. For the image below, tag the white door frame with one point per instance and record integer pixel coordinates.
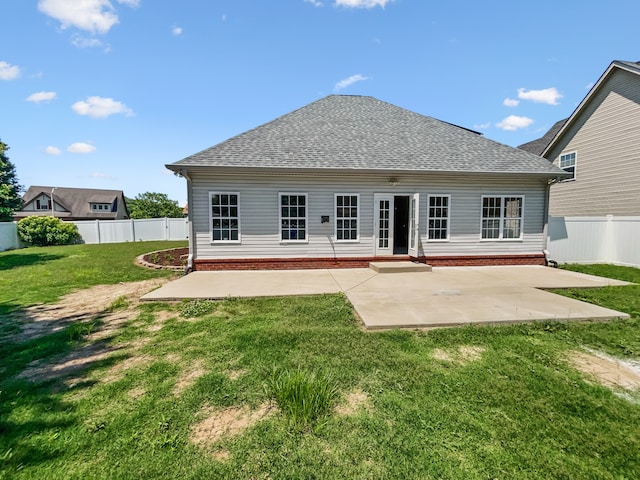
(383, 233)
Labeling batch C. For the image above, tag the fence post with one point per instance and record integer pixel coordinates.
(166, 228)
(133, 230)
(98, 230)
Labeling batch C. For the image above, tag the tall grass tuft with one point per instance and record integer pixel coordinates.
(303, 396)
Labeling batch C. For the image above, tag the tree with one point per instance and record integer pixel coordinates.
(10, 199)
(153, 205)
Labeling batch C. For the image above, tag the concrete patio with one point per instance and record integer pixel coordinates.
(446, 296)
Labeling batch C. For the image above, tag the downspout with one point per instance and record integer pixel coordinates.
(545, 228)
(192, 243)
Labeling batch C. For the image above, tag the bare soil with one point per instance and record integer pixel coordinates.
(608, 371)
(354, 401)
(175, 257)
(228, 422)
(461, 356)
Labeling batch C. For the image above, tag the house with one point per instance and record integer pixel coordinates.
(599, 145)
(347, 180)
(73, 203)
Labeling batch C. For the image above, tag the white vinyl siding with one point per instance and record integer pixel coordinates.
(567, 163)
(502, 217)
(293, 217)
(224, 217)
(438, 217)
(260, 217)
(347, 217)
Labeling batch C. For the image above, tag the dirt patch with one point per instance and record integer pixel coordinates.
(354, 401)
(118, 370)
(222, 455)
(136, 393)
(236, 374)
(189, 377)
(461, 355)
(229, 422)
(608, 371)
(173, 259)
(81, 306)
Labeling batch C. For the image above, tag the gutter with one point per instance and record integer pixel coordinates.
(192, 246)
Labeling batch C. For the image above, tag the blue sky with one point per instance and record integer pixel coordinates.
(102, 94)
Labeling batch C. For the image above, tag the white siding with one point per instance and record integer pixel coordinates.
(8, 236)
(606, 137)
(259, 214)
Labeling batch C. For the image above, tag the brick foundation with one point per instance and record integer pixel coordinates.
(360, 262)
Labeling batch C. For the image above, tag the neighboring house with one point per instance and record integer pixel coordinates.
(73, 203)
(349, 179)
(599, 145)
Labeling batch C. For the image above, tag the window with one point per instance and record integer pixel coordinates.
(347, 216)
(502, 218)
(100, 206)
(225, 217)
(567, 163)
(293, 217)
(43, 203)
(438, 217)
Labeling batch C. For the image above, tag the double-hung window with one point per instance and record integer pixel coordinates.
(567, 162)
(438, 217)
(293, 217)
(347, 217)
(225, 217)
(502, 217)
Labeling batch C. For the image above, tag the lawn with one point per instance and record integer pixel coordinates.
(294, 388)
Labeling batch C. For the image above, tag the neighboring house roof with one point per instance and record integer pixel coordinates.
(341, 132)
(633, 67)
(76, 202)
(538, 145)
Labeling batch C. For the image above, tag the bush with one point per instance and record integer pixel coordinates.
(45, 231)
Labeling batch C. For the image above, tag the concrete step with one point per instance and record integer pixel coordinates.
(399, 267)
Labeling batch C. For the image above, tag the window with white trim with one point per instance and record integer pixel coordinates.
(43, 203)
(502, 217)
(438, 217)
(225, 217)
(347, 217)
(567, 162)
(293, 217)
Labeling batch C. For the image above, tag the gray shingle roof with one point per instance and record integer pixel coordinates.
(76, 200)
(538, 145)
(341, 132)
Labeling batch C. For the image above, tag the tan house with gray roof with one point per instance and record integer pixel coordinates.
(73, 203)
(599, 145)
(350, 179)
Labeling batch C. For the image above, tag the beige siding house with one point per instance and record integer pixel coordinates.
(599, 144)
(347, 179)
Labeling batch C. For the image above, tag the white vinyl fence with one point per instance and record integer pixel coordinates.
(595, 240)
(111, 231)
(116, 231)
(9, 236)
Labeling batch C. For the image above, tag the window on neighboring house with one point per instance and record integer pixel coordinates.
(225, 217)
(567, 163)
(100, 206)
(43, 203)
(502, 217)
(293, 217)
(347, 216)
(438, 217)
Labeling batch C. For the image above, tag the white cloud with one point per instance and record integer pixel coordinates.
(81, 147)
(104, 176)
(362, 3)
(482, 126)
(9, 72)
(589, 86)
(50, 150)
(315, 3)
(176, 31)
(41, 97)
(514, 122)
(100, 107)
(510, 102)
(95, 16)
(87, 42)
(549, 96)
(349, 81)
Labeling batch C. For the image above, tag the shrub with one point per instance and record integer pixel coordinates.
(45, 231)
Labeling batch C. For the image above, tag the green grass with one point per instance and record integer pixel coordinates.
(516, 409)
(43, 274)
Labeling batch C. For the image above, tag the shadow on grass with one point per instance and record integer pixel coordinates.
(13, 260)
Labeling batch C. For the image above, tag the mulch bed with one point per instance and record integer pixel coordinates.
(174, 259)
